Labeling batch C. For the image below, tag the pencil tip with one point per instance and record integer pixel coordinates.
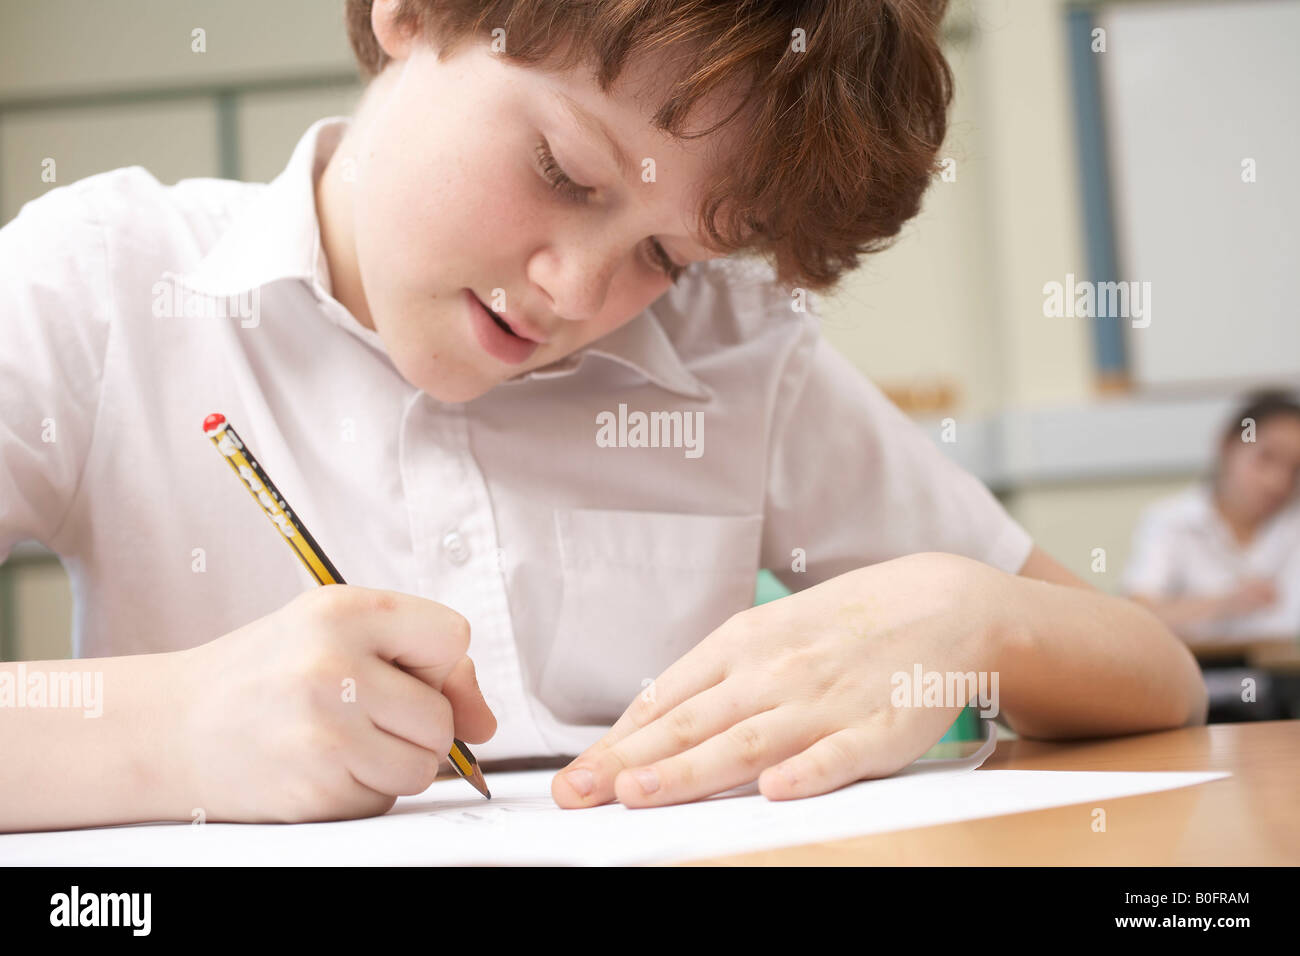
(475, 775)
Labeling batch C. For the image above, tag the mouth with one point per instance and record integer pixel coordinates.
(501, 324)
(496, 336)
(504, 325)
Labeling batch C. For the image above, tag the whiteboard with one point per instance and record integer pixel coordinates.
(1190, 90)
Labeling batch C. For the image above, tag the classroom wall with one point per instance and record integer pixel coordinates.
(91, 45)
(959, 299)
(956, 305)
(96, 86)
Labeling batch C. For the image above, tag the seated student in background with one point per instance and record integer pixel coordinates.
(1222, 559)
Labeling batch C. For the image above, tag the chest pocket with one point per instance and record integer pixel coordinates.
(641, 588)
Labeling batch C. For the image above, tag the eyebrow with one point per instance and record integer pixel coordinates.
(596, 129)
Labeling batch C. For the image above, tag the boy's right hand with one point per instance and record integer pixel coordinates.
(1251, 595)
(326, 709)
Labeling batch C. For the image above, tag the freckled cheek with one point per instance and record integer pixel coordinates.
(503, 220)
(610, 321)
(616, 314)
(389, 222)
(476, 223)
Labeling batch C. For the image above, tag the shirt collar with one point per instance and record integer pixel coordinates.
(1200, 501)
(1202, 513)
(640, 344)
(277, 236)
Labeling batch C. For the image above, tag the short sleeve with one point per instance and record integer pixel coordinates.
(1151, 568)
(853, 481)
(52, 343)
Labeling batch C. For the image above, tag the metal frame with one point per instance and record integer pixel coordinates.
(1110, 352)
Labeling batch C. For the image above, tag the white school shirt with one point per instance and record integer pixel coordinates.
(584, 571)
(1182, 547)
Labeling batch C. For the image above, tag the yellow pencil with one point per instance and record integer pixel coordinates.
(259, 485)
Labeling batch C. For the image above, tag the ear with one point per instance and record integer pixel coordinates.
(394, 38)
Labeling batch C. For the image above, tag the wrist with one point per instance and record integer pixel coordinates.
(985, 599)
(159, 750)
(1002, 605)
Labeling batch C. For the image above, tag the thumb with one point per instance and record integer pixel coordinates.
(474, 720)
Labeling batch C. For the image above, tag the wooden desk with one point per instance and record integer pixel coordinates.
(1248, 818)
(1280, 654)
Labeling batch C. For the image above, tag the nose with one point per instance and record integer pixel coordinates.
(576, 275)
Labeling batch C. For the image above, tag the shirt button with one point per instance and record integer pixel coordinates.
(453, 545)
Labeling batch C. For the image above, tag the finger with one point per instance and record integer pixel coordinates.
(839, 758)
(405, 706)
(423, 637)
(702, 667)
(734, 757)
(589, 780)
(474, 720)
(358, 801)
(391, 765)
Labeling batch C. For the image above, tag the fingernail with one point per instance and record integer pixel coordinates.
(581, 781)
(648, 777)
(788, 772)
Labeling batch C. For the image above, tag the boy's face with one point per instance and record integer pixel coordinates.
(1262, 476)
(448, 203)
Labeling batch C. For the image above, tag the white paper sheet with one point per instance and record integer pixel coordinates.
(522, 825)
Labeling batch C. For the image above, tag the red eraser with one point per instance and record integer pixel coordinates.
(212, 421)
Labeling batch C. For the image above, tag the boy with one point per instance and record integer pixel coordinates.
(431, 328)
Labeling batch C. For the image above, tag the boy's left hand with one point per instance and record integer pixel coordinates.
(796, 693)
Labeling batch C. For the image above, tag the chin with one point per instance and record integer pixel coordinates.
(434, 378)
(433, 365)
(455, 393)
(444, 385)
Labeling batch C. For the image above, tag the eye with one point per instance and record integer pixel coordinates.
(557, 177)
(670, 268)
(564, 185)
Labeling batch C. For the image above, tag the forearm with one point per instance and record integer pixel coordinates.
(1180, 612)
(62, 766)
(1076, 662)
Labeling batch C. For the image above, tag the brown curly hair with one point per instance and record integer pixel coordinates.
(842, 138)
